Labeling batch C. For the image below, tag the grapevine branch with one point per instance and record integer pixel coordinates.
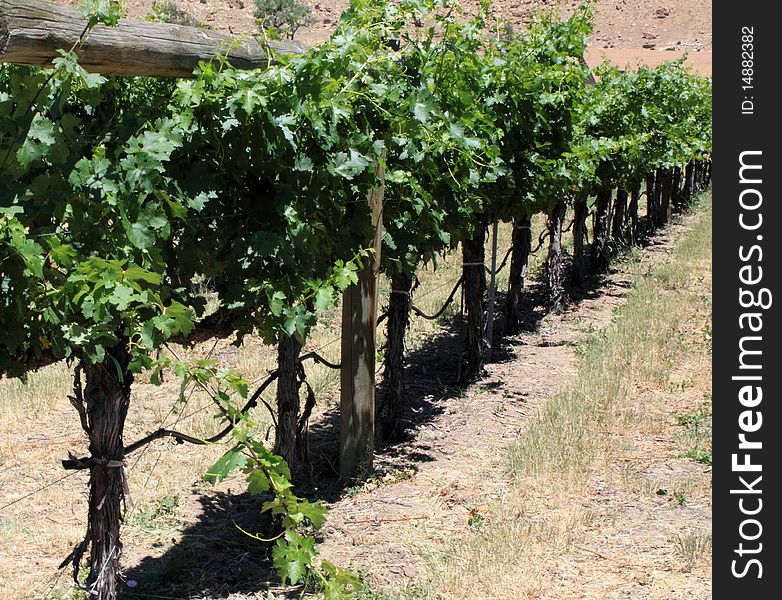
(74, 463)
(504, 261)
(448, 302)
(541, 239)
(421, 313)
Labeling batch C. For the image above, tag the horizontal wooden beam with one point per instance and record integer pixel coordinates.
(32, 31)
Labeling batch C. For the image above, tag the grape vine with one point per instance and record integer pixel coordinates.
(116, 194)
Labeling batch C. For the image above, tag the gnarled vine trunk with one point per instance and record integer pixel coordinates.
(600, 253)
(689, 183)
(580, 256)
(676, 189)
(521, 247)
(619, 222)
(705, 173)
(104, 408)
(660, 211)
(651, 209)
(633, 230)
(474, 286)
(393, 402)
(287, 442)
(554, 270)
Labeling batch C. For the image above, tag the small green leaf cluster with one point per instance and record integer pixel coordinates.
(296, 519)
(294, 553)
(107, 12)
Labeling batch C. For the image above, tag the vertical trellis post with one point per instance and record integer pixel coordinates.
(357, 376)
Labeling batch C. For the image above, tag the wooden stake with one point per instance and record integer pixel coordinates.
(357, 376)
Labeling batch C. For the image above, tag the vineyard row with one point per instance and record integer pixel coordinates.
(405, 136)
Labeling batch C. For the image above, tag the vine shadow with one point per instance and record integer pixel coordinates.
(211, 558)
(431, 374)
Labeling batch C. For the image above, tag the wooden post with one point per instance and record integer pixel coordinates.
(357, 376)
(32, 31)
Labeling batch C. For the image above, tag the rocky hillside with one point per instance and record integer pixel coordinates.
(631, 24)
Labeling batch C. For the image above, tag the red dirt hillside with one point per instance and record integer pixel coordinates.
(626, 31)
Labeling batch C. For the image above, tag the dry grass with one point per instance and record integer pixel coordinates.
(692, 546)
(38, 394)
(637, 350)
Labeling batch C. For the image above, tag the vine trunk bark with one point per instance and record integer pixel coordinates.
(704, 176)
(619, 223)
(634, 232)
(688, 183)
(659, 193)
(554, 270)
(580, 256)
(287, 443)
(393, 402)
(676, 189)
(666, 196)
(521, 247)
(474, 286)
(601, 230)
(106, 401)
(651, 209)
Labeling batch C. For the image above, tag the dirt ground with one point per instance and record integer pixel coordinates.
(631, 31)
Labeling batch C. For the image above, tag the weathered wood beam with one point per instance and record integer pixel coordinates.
(32, 31)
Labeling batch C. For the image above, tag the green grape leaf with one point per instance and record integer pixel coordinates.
(292, 556)
(257, 483)
(230, 461)
(324, 298)
(39, 142)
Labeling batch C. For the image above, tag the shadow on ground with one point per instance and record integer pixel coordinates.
(212, 558)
